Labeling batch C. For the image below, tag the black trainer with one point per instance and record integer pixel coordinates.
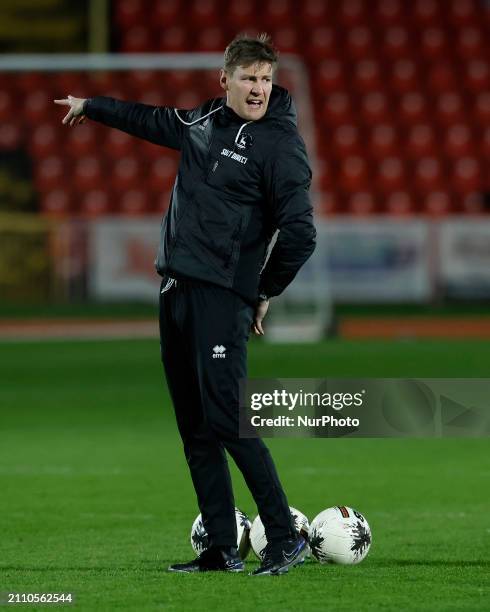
(280, 556)
(212, 560)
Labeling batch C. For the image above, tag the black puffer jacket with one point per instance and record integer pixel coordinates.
(237, 183)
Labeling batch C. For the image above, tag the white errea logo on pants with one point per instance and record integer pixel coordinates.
(219, 352)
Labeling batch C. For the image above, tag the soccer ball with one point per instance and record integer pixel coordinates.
(340, 535)
(257, 533)
(199, 536)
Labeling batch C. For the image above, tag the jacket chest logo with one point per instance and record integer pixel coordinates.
(245, 141)
(241, 159)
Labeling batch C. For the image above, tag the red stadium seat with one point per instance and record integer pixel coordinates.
(397, 44)
(481, 112)
(203, 14)
(276, 13)
(81, 141)
(44, 140)
(477, 76)
(26, 82)
(413, 108)
(321, 44)
(8, 106)
(325, 178)
(428, 175)
(330, 76)
(466, 175)
(180, 80)
(359, 42)
(187, 99)
(64, 83)
(88, 174)
(313, 12)
(38, 107)
(450, 108)
(337, 109)
(433, 43)
(211, 39)
(57, 202)
(134, 202)
(391, 175)
(137, 39)
(462, 12)
(346, 140)
(173, 39)
(383, 141)
(470, 43)
(404, 77)
(118, 144)
(147, 151)
(139, 80)
(99, 82)
(442, 77)
(458, 141)
(375, 107)
(209, 86)
(484, 147)
(351, 12)
(11, 135)
(126, 174)
(354, 174)
(240, 14)
(426, 13)
(400, 203)
(389, 12)
(152, 97)
(438, 203)
(330, 203)
(421, 141)
(286, 39)
(95, 203)
(129, 12)
(362, 203)
(165, 13)
(50, 173)
(367, 76)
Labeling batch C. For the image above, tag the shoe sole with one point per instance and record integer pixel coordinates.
(285, 568)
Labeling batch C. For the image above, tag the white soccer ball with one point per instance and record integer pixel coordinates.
(340, 535)
(257, 533)
(200, 540)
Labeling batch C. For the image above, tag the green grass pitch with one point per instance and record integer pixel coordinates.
(95, 496)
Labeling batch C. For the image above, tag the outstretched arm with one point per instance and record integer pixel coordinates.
(157, 124)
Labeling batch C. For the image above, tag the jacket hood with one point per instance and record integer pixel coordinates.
(281, 106)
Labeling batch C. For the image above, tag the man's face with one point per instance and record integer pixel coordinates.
(248, 90)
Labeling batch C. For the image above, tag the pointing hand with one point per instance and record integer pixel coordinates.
(75, 114)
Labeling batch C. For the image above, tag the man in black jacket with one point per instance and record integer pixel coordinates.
(243, 174)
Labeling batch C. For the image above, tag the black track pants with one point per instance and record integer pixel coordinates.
(199, 321)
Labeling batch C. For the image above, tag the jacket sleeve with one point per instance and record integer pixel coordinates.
(158, 124)
(288, 178)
